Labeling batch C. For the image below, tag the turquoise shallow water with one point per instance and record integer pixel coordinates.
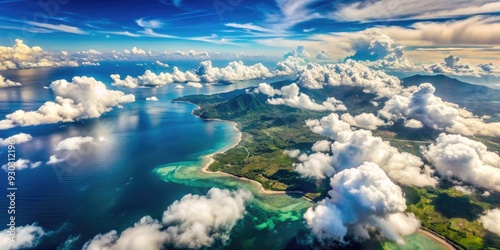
(151, 157)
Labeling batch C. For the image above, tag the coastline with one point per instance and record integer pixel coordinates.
(208, 159)
(436, 237)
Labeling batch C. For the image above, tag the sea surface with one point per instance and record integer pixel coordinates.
(150, 157)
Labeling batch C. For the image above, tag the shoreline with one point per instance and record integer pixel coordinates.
(208, 159)
(436, 237)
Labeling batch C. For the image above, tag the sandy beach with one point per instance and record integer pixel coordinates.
(208, 160)
(436, 238)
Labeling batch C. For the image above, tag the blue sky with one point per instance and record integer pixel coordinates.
(243, 25)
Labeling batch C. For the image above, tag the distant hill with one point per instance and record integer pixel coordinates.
(480, 100)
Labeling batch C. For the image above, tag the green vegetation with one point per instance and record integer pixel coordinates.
(453, 215)
(268, 130)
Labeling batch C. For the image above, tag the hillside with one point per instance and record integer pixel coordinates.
(480, 100)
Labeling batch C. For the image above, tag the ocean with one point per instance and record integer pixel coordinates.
(150, 157)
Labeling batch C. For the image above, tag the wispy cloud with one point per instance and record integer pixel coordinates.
(59, 27)
(151, 24)
(151, 33)
(413, 9)
(122, 33)
(249, 26)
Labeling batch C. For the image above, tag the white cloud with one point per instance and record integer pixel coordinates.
(363, 120)
(249, 26)
(28, 236)
(22, 164)
(22, 56)
(455, 156)
(420, 103)
(412, 9)
(196, 85)
(329, 126)
(292, 153)
(145, 234)
(323, 55)
(83, 98)
(4, 83)
(192, 222)
(152, 24)
(178, 86)
(292, 97)
(464, 189)
(317, 165)
(191, 54)
(299, 52)
(321, 146)
(267, 89)
(18, 139)
(135, 51)
(362, 199)
(350, 73)
(412, 123)
(162, 64)
(198, 221)
(352, 148)
(234, 71)
(152, 98)
(69, 146)
(59, 27)
(206, 73)
(491, 220)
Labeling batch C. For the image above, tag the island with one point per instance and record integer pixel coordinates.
(269, 130)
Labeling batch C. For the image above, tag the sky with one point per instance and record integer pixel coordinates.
(429, 30)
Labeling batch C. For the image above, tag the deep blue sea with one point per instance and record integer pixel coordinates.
(114, 184)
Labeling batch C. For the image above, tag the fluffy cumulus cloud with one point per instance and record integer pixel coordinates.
(291, 96)
(4, 83)
(317, 165)
(234, 71)
(362, 200)
(152, 98)
(350, 73)
(18, 139)
(451, 65)
(458, 157)
(150, 79)
(28, 236)
(82, 98)
(491, 220)
(67, 147)
(329, 126)
(192, 222)
(206, 73)
(145, 234)
(21, 56)
(380, 47)
(420, 103)
(195, 85)
(191, 54)
(299, 52)
(21, 164)
(363, 120)
(192, 227)
(351, 148)
(376, 49)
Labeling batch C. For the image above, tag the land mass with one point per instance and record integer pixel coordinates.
(268, 130)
